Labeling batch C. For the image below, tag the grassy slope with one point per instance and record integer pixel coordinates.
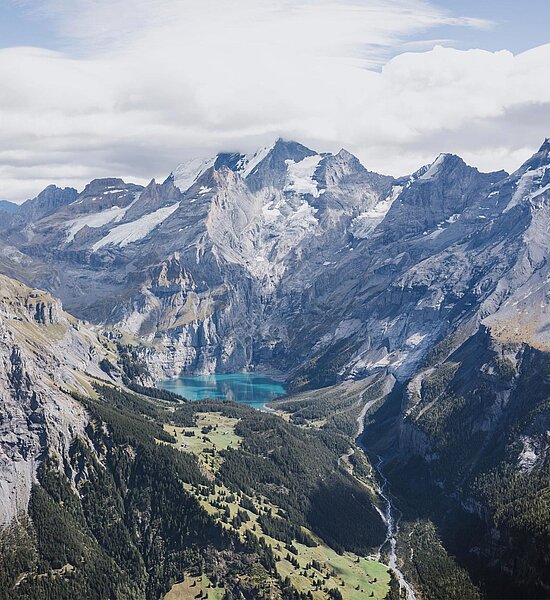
(192, 586)
(345, 572)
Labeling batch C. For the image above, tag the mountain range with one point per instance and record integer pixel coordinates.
(230, 261)
(311, 268)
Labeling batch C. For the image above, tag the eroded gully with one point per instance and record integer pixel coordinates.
(392, 523)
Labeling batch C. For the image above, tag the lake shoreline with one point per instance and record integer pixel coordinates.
(252, 389)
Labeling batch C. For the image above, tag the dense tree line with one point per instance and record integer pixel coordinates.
(434, 572)
(323, 370)
(129, 529)
(132, 364)
(491, 493)
(155, 392)
(297, 469)
(284, 530)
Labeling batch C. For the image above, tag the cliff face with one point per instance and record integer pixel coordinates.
(267, 260)
(479, 423)
(241, 244)
(481, 385)
(282, 258)
(44, 353)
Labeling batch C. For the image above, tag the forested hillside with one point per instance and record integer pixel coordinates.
(122, 517)
(473, 459)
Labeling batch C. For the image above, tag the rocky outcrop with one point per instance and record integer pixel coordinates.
(43, 354)
(47, 202)
(477, 426)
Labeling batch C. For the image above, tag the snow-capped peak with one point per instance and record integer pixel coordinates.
(188, 172)
(251, 161)
(433, 169)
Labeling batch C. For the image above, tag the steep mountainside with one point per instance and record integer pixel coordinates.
(8, 207)
(216, 252)
(280, 259)
(268, 260)
(44, 354)
(469, 449)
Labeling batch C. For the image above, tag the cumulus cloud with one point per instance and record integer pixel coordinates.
(142, 85)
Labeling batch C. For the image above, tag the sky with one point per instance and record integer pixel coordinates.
(131, 88)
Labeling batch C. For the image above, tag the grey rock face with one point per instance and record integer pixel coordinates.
(287, 259)
(442, 193)
(8, 207)
(43, 353)
(272, 170)
(46, 203)
(242, 227)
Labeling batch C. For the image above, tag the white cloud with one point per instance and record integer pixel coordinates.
(145, 84)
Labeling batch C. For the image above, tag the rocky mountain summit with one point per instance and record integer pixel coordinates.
(235, 237)
(281, 258)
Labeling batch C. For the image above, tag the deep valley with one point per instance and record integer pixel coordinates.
(406, 319)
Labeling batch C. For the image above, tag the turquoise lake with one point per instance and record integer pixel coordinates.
(247, 388)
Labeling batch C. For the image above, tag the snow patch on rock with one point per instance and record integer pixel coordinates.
(128, 233)
(365, 223)
(98, 219)
(188, 172)
(525, 185)
(300, 176)
(414, 339)
(433, 169)
(251, 161)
